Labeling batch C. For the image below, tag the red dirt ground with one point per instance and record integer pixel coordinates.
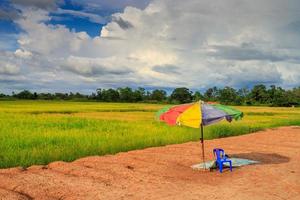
(165, 172)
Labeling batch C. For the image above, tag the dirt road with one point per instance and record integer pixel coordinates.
(165, 173)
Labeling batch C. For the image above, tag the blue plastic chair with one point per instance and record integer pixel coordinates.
(221, 158)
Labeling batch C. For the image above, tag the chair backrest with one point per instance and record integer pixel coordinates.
(219, 153)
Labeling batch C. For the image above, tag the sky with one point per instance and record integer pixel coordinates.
(74, 45)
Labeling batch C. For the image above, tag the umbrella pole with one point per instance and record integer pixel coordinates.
(202, 145)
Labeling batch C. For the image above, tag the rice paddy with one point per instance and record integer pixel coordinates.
(39, 132)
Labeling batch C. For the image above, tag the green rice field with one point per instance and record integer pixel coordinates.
(38, 132)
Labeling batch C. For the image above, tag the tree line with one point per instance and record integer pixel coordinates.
(258, 95)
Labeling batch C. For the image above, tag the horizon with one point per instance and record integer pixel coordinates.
(75, 46)
(168, 90)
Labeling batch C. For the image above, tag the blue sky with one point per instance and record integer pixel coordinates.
(73, 45)
(72, 22)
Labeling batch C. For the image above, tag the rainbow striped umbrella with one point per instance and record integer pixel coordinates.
(197, 115)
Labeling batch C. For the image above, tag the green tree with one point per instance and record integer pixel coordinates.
(243, 97)
(295, 99)
(289, 98)
(62, 96)
(181, 95)
(259, 94)
(227, 95)
(99, 94)
(110, 95)
(278, 97)
(147, 95)
(2, 95)
(211, 94)
(126, 94)
(272, 93)
(25, 94)
(46, 96)
(198, 96)
(139, 94)
(158, 95)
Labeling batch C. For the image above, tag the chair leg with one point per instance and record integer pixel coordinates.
(230, 166)
(221, 167)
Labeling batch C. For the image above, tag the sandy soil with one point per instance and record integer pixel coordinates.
(165, 173)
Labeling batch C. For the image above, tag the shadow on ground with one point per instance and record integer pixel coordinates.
(263, 158)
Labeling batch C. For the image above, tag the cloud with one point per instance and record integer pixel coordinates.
(121, 22)
(8, 68)
(8, 65)
(43, 4)
(245, 52)
(168, 43)
(92, 17)
(111, 5)
(8, 41)
(11, 11)
(23, 54)
(166, 69)
(46, 39)
(8, 14)
(92, 67)
(252, 72)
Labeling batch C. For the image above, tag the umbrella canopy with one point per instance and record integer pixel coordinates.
(198, 114)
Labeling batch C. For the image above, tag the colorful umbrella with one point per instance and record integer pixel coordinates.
(197, 115)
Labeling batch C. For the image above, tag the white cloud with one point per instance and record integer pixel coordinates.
(8, 68)
(8, 41)
(8, 63)
(94, 67)
(170, 43)
(44, 4)
(23, 54)
(111, 5)
(81, 14)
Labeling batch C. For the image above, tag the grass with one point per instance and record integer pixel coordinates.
(38, 132)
